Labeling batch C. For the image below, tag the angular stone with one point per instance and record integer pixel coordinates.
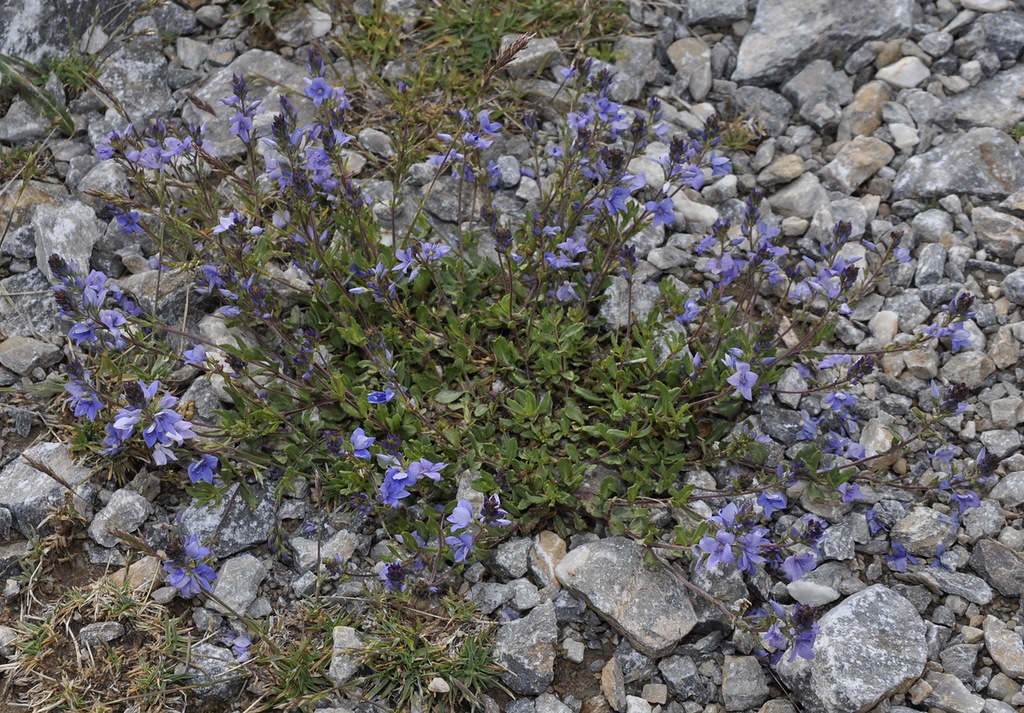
(813, 29)
(743, 683)
(237, 584)
(863, 115)
(236, 526)
(345, 655)
(22, 124)
(526, 648)
(619, 310)
(692, 60)
(1000, 234)
(338, 549)
(715, 12)
(999, 566)
(971, 588)
(31, 494)
(904, 73)
(769, 109)
(125, 511)
(302, 25)
(984, 162)
(950, 694)
(213, 672)
(868, 647)
(69, 230)
(992, 102)
(540, 53)
(855, 163)
(648, 606)
(22, 355)
(1004, 646)
(802, 198)
(136, 74)
(972, 368)
(922, 530)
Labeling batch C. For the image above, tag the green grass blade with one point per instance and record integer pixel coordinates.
(12, 72)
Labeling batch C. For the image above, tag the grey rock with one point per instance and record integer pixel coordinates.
(488, 596)
(337, 549)
(100, 632)
(302, 25)
(960, 660)
(191, 53)
(1001, 234)
(931, 264)
(211, 16)
(648, 606)
(30, 494)
(269, 76)
(922, 530)
(1004, 646)
(22, 355)
(511, 559)
(971, 588)
(904, 73)
(992, 102)
(1003, 33)
(855, 163)
(1001, 442)
(870, 645)
(986, 520)
(715, 12)
(136, 74)
(27, 294)
(377, 142)
(691, 58)
(813, 29)
(171, 17)
(22, 124)
(526, 648)
(237, 527)
(34, 29)
(539, 54)
(448, 202)
(125, 510)
(999, 566)
(936, 43)
(984, 162)
(213, 672)
(949, 694)
(69, 230)
(237, 584)
(5, 524)
(972, 368)
(1009, 491)
(104, 177)
(549, 703)
(344, 655)
(802, 198)
(1013, 286)
(619, 308)
(684, 681)
(743, 683)
(163, 293)
(769, 109)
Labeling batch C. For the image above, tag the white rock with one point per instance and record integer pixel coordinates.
(904, 73)
(884, 326)
(987, 5)
(811, 593)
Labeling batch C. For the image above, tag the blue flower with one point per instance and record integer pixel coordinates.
(718, 548)
(771, 501)
(461, 545)
(129, 222)
(393, 574)
(392, 490)
(461, 516)
(317, 89)
(899, 558)
(195, 356)
(796, 566)
(424, 468)
(381, 397)
(360, 443)
(663, 212)
(743, 379)
(850, 492)
(203, 469)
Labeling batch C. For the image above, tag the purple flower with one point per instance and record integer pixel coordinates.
(461, 516)
(460, 545)
(317, 89)
(796, 566)
(393, 574)
(129, 222)
(720, 165)
(718, 548)
(392, 490)
(360, 443)
(82, 397)
(808, 427)
(566, 292)
(960, 338)
(803, 643)
(743, 380)
(902, 254)
(945, 454)
(850, 492)
(771, 501)
(424, 468)
(491, 513)
(381, 397)
(203, 469)
(874, 524)
(186, 572)
(751, 546)
(663, 212)
(899, 558)
(240, 647)
(195, 356)
(616, 200)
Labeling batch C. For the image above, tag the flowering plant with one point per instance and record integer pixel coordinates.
(439, 356)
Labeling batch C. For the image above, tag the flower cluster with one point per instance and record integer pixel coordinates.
(100, 309)
(162, 427)
(187, 569)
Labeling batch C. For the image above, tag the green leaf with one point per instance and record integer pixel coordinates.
(448, 396)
